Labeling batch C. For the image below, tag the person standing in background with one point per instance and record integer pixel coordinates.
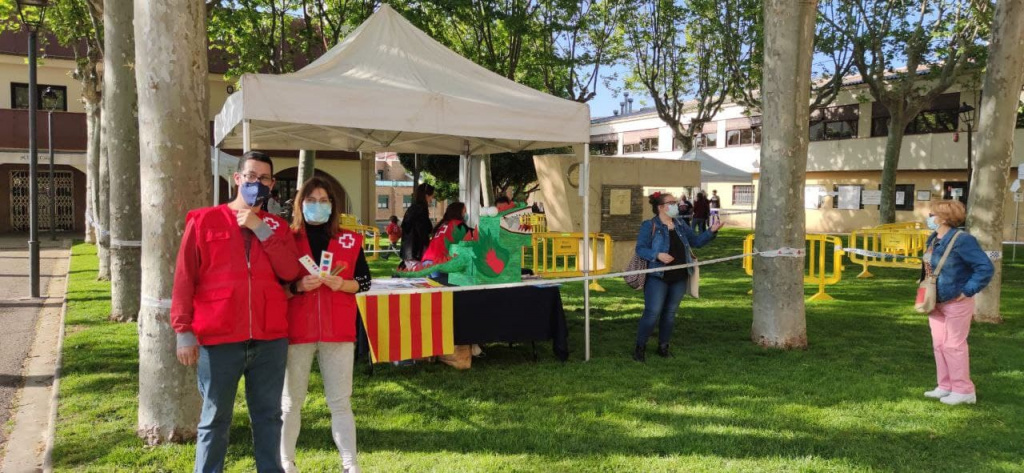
(701, 213)
(394, 232)
(416, 226)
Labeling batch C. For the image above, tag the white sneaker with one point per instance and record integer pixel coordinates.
(290, 467)
(957, 398)
(937, 393)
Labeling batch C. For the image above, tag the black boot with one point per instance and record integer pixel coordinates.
(640, 353)
(663, 351)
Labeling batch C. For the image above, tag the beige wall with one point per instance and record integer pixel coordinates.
(58, 72)
(564, 206)
(346, 172)
(49, 72)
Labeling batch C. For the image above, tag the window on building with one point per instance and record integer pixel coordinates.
(956, 189)
(59, 102)
(406, 201)
(941, 116)
(847, 197)
(604, 145)
(1020, 115)
(645, 145)
(705, 140)
(743, 195)
(382, 202)
(608, 148)
(641, 141)
(904, 196)
(834, 123)
(380, 174)
(750, 136)
(738, 132)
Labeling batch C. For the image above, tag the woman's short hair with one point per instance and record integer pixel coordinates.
(951, 212)
(657, 199)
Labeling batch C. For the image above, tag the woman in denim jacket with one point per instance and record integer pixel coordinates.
(966, 272)
(665, 240)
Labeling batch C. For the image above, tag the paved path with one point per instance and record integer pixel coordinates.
(19, 314)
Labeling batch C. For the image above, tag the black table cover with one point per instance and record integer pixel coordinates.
(513, 315)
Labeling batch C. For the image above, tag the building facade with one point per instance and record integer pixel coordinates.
(844, 162)
(352, 176)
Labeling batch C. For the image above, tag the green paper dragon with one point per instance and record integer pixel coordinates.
(496, 257)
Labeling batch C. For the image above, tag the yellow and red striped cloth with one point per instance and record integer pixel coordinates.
(408, 326)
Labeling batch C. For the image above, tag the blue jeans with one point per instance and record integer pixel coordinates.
(661, 300)
(262, 362)
(700, 225)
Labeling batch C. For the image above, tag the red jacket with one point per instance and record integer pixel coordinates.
(325, 315)
(222, 296)
(448, 233)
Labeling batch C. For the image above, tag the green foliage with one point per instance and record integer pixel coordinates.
(675, 49)
(268, 35)
(850, 402)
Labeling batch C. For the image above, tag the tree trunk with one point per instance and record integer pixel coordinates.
(92, 158)
(890, 165)
(1004, 77)
(87, 74)
(103, 198)
(307, 166)
(779, 320)
(122, 147)
(171, 71)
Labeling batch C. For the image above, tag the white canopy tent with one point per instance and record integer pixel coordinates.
(390, 87)
(713, 169)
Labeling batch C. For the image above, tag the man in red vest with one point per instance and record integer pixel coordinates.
(230, 313)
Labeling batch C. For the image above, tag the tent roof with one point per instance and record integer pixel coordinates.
(390, 87)
(714, 170)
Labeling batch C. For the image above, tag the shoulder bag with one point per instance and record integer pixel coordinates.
(927, 293)
(637, 281)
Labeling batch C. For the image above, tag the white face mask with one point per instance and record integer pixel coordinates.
(672, 211)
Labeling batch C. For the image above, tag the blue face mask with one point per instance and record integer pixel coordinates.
(672, 211)
(932, 223)
(316, 212)
(254, 193)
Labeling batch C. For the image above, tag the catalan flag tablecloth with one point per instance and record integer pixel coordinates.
(407, 326)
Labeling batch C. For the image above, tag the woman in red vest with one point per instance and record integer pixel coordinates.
(322, 320)
(450, 230)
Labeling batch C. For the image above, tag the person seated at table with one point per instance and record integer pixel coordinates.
(503, 203)
(451, 229)
(322, 321)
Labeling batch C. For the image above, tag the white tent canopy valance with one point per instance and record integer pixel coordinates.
(390, 87)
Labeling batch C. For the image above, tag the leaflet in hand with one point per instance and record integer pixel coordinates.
(325, 263)
(310, 266)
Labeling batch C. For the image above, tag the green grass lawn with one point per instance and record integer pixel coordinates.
(851, 402)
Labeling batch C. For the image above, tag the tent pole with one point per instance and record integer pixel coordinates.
(585, 187)
(246, 143)
(215, 154)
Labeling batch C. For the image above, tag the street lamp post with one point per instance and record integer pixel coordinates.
(50, 101)
(32, 14)
(967, 116)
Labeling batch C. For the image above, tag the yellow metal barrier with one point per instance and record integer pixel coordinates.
(901, 226)
(908, 243)
(817, 258)
(537, 223)
(371, 235)
(558, 255)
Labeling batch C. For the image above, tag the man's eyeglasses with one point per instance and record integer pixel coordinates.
(266, 179)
